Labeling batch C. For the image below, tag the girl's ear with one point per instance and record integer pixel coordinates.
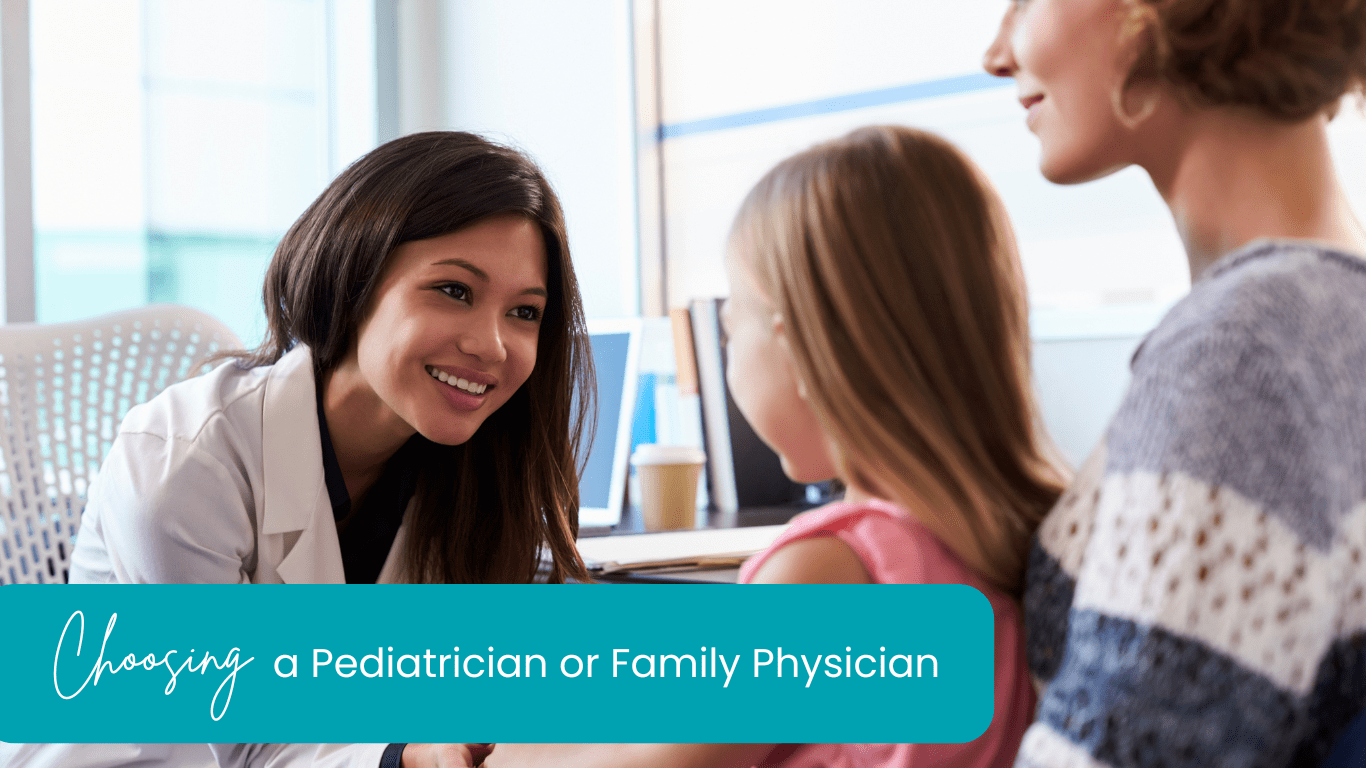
(780, 333)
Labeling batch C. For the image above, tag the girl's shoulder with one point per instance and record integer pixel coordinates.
(892, 546)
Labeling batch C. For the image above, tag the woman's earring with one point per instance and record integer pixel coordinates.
(1147, 52)
(1122, 97)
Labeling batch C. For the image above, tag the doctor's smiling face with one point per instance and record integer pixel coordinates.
(433, 286)
(452, 328)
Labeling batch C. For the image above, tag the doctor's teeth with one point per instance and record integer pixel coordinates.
(461, 384)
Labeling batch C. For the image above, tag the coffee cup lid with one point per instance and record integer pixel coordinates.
(650, 453)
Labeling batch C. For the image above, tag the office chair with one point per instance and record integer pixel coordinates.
(64, 389)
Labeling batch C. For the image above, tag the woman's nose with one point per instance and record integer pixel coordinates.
(999, 59)
(482, 339)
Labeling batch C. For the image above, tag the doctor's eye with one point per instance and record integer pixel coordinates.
(457, 291)
(528, 312)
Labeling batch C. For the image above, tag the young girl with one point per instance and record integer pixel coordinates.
(408, 417)
(1197, 597)
(878, 334)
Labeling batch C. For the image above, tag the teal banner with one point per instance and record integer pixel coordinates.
(492, 663)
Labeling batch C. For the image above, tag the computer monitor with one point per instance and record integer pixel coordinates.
(616, 359)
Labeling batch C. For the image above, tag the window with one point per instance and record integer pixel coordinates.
(744, 84)
(174, 142)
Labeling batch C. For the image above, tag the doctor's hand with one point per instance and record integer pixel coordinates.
(444, 755)
(626, 755)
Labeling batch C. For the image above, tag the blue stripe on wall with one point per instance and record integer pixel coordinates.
(896, 94)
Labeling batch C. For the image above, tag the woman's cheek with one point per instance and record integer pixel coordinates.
(523, 359)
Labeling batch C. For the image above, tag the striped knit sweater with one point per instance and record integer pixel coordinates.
(1196, 597)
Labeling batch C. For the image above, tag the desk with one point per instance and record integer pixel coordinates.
(631, 523)
(709, 576)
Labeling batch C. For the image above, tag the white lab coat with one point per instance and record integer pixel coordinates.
(218, 479)
(190, 755)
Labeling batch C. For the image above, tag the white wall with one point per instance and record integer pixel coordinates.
(555, 79)
(1079, 383)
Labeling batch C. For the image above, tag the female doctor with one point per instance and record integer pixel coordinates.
(408, 417)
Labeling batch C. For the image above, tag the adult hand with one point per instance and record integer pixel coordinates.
(444, 755)
(626, 755)
(534, 755)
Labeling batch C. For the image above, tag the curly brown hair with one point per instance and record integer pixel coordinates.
(1290, 59)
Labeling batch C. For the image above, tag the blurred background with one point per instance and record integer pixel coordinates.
(156, 150)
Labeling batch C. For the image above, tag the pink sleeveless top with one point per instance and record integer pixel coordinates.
(895, 548)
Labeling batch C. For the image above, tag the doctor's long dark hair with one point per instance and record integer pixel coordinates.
(485, 508)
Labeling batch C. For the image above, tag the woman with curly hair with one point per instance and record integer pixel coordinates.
(1198, 596)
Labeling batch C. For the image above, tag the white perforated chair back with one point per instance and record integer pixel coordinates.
(64, 389)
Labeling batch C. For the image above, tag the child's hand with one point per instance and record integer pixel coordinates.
(444, 755)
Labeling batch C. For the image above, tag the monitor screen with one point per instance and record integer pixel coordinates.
(602, 483)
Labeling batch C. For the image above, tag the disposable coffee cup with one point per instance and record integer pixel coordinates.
(668, 476)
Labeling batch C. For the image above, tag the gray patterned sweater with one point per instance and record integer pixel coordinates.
(1196, 597)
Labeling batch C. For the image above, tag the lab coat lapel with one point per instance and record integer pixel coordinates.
(296, 497)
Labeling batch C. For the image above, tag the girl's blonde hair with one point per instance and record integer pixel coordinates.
(893, 266)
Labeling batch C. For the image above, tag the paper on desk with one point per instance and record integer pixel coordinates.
(719, 547)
